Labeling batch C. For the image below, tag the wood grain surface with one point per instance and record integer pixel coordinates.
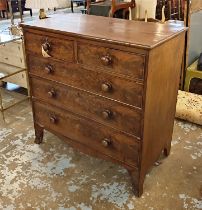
(109, 87)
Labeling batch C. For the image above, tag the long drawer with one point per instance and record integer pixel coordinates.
(92, 106)
(56, 48)
(117, 88)
(100, 138)
(112, 60)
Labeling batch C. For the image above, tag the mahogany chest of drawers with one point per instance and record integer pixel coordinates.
(107, 86)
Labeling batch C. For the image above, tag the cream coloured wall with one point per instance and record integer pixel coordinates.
(63, 3)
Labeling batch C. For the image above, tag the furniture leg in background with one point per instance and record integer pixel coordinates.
(3, 9)
(11, 12)
(17, 6)
(20, 9)
(84, 2)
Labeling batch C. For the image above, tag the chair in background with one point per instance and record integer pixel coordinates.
(3, 8)
(79, 2)
(123, 6)
(110, 8)
(23, 2)
(174, 9)
(15, 6)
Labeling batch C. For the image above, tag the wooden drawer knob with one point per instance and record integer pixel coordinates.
(52, 93)
(106, 114)
(106, 87)
(106, 142)
(53, 119)
(46, 46)
(48, 69)
(106, 60)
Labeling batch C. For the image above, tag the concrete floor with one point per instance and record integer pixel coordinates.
(55, 176)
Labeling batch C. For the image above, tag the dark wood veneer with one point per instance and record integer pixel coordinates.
(121, 146)
(59, 49)
(106, 86)
(106, 111)
(111, 60)
(129, 92)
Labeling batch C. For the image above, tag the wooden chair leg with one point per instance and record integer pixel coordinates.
(72, 6)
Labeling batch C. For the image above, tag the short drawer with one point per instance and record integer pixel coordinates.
(114, 61)
(61, 49)
(89, 105)
(114, 87)
(100, 138)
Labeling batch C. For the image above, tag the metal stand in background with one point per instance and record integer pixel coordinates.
(7, 70)
(2, 108)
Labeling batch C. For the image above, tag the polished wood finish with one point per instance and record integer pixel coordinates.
(101, 138)
(161, 100)
(92, 106)
(56, 48)
(109, 30)
(119, 62)
(101, 83)
(108, 90)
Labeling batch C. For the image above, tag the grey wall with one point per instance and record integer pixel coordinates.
(195, 45)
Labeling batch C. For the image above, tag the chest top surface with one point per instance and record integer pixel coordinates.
(135, 33)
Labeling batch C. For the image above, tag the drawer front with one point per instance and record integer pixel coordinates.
(61, 49)
(12, 53)
(114, 61)
(89, 105)
(102, 83)
(95, 136)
